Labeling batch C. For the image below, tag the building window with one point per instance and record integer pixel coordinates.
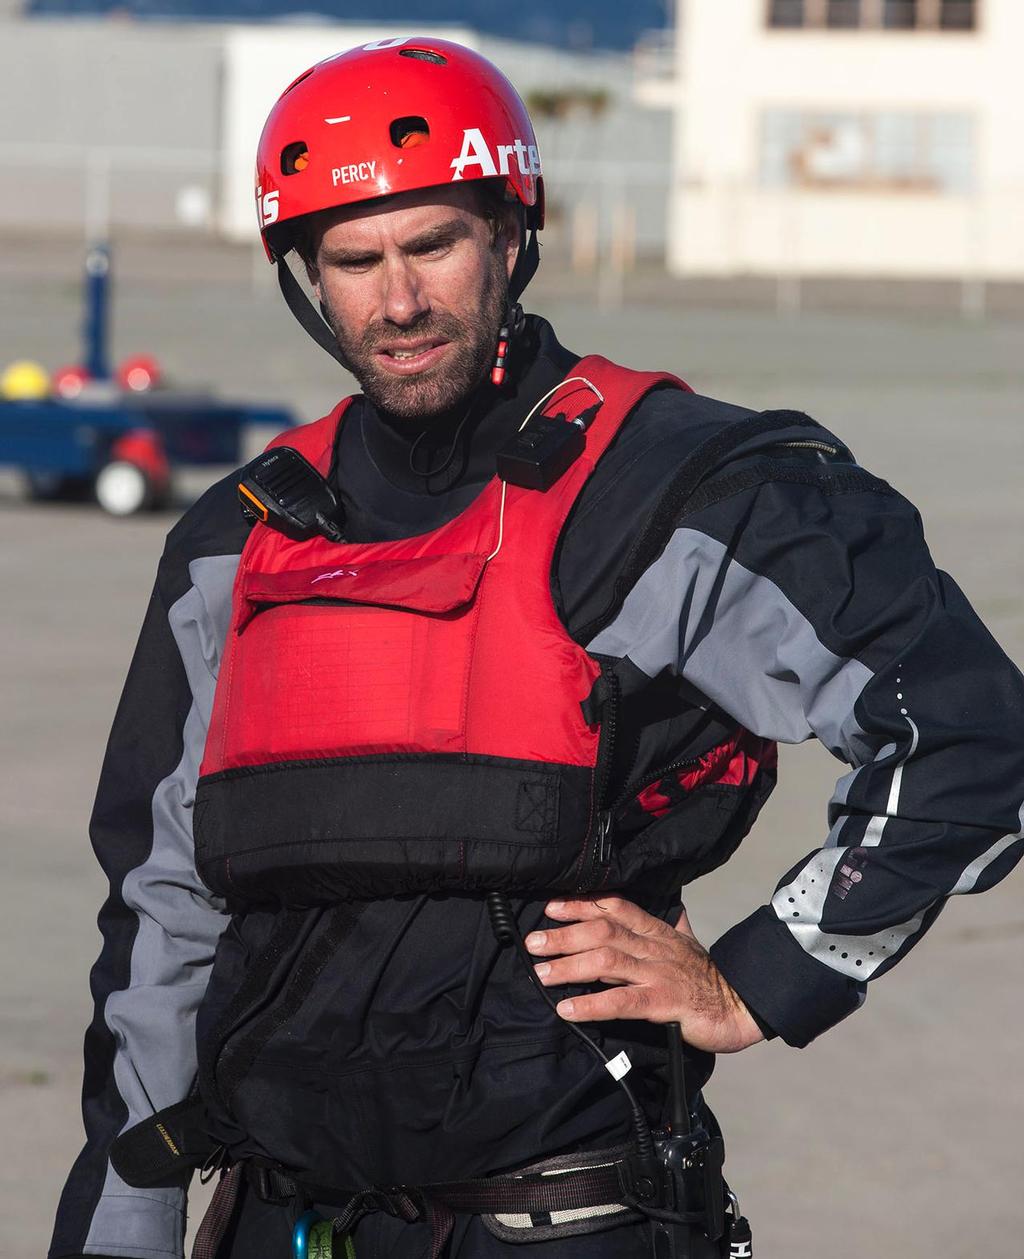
(900, 15)
(905, 15)
(843, 13)
(880, 152)
(786, 13)
(958, 15)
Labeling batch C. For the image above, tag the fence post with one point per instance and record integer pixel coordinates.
(97, 195)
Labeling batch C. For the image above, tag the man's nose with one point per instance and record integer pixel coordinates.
(405, 299)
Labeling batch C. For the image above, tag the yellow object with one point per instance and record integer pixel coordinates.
(24, 381)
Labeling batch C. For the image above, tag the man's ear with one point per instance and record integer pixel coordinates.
(512, 237)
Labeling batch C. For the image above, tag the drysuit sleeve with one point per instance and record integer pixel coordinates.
(811, 606)
(159, 924)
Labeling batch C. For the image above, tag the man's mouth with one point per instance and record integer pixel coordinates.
(414, 356)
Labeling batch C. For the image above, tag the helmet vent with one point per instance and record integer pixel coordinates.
(409, 133)
(294, 158)
(423, 54)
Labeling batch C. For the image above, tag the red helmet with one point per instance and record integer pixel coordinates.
(392, 116)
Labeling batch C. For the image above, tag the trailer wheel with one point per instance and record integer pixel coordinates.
(123, 488)
(53, 487)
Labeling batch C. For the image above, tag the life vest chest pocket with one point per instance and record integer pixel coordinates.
(358, 659)
(430, 584)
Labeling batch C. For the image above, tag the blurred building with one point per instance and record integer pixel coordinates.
(111, 123)
(846, 137)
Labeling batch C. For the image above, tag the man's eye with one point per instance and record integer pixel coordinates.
(437, 248)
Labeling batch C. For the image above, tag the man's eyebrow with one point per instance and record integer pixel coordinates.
(441, 234)
(446, 233)
(339, 256)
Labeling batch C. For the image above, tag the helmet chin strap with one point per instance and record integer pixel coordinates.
(527, 262)
(305, 312)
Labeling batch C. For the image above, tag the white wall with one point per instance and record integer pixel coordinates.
(733, 69)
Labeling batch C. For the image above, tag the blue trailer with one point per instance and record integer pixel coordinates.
(119, 445)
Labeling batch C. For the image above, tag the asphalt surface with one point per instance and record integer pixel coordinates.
(896, 1134)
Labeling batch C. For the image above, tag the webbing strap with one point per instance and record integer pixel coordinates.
(561, 1191)
(527, 1193)
(438, 1204)
(218, 1215)
(532, 1192)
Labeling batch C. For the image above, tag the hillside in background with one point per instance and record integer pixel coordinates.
(568, 24)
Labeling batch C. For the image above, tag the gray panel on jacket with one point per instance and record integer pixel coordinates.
(737, 637)
(180, 922)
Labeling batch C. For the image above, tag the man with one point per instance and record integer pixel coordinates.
(420, 711)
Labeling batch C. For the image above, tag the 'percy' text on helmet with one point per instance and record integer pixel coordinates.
(393, 116)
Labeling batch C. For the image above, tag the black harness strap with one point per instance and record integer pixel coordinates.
(528, 1193)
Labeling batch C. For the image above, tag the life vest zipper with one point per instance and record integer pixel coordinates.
(598, 842)
(601, 843)
(600, 839)
(634, 788)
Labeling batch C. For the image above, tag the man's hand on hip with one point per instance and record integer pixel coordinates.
(658, 973)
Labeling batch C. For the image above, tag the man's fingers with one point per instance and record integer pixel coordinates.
(582, 937)
(607, 908)
(576, 938)
(604, 965)
(613, 1003)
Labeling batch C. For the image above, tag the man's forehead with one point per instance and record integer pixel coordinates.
(420, 207)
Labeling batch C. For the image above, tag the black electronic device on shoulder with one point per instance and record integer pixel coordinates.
(282, 489)
(543, 450)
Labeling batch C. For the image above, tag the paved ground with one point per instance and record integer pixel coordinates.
(898, 1134)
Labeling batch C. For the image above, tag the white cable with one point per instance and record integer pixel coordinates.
(533, 410)
(501, 524)
(568, 381)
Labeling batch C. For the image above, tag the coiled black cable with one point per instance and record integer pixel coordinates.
(506, 931)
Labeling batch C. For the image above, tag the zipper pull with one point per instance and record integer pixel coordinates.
(604, 840)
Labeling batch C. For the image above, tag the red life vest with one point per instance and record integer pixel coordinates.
(409, 715)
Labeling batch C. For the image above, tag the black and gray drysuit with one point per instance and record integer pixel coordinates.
(801, 602)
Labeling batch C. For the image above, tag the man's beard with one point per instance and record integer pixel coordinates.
(473, 341)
